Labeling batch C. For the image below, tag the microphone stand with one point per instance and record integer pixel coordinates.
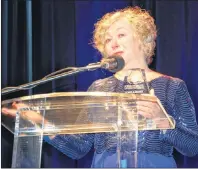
(33, 84)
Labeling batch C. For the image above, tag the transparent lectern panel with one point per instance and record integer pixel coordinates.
(91, 112)
(83, 113)
(8, 121)
(80, 113)
(27, 152)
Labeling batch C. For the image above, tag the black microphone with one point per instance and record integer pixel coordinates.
(112, 63)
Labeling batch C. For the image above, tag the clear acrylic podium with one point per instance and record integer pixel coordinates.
(79, 113)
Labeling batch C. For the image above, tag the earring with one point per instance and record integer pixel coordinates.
(148, 39)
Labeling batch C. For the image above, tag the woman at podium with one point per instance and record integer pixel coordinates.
(131, 33)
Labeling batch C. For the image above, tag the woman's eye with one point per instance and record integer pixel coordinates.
(107, 41)
(121, 35)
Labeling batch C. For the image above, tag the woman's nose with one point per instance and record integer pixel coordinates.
(114, 44)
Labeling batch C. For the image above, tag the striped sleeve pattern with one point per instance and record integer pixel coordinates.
(74, 146)
(185, 136)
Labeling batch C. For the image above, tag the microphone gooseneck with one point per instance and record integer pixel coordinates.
(113, 64)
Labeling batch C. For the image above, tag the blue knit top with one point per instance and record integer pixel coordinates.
(176, 100)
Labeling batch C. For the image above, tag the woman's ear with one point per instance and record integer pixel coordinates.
(149, 60)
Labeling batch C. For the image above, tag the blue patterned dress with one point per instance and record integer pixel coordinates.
(154, 147)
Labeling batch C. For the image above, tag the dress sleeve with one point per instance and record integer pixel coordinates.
(74, 146)
(184, 137)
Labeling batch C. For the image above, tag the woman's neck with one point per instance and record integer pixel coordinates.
(133, 65)
(149, 74)
(135, 72)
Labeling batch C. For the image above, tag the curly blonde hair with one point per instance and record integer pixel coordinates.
(142, 23)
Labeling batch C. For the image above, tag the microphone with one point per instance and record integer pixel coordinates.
(112, 63)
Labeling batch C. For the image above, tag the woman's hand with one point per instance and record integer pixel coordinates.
(151, 110)
(31, 115)
(148, 109)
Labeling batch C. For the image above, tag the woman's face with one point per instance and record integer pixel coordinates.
(119, 40)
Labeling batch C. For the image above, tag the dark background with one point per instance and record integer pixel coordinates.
(59, 36)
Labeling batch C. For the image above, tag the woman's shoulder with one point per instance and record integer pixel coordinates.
(162, 78)
(165, 85)
(167, 88)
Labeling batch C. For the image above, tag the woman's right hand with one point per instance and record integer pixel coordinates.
(12, 111)
(34, 116)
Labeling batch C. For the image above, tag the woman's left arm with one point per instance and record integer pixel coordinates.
(184, 137)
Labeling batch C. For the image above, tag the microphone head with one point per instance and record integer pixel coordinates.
(120, 63)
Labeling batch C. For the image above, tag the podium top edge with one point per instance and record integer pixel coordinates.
(82, 94)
